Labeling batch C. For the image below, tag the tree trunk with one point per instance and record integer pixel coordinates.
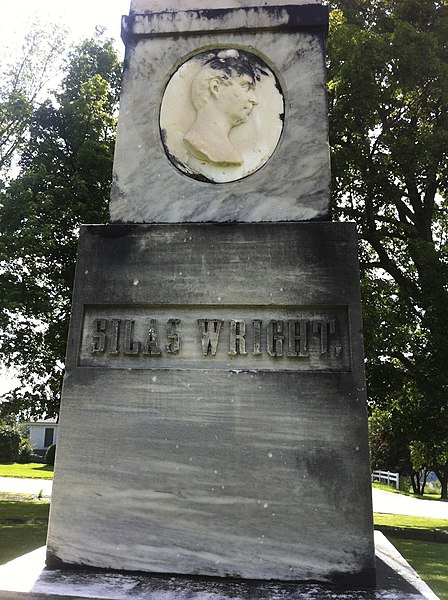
(444, 488)
(442, 476)
(415, 481)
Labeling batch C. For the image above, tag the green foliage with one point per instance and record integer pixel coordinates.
(9, 443)
(388, 95)
(65, 181)
(26, 451)
(22, 78)
(15, 445)
(50, 455)
(432, 456)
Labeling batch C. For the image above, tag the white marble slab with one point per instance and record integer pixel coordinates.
(294, 182)
(152, 6)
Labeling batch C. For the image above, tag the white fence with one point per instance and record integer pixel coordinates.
(388, 477)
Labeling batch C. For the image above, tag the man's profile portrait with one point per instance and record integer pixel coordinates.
(221, 115)
(223, 95)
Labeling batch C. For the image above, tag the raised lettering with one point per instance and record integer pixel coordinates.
(99, 336)
(257, 336)
(152, 346)
(324, 327)
(130, 347)
(237, 339)
(114, 336)
(275, 338)
(209, 330)
(172, 333)
(298, 338)
(315, 337)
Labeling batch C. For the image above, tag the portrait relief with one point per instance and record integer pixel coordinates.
(221, 115)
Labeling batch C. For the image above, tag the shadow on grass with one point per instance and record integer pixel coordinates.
(23, 526)
(429, 559)
(17, 540)
(48, 468)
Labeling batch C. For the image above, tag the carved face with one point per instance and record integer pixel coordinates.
(235, 97)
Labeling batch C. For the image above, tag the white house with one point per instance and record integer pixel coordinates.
(43, 433)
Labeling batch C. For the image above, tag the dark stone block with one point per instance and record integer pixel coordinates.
(213, 417)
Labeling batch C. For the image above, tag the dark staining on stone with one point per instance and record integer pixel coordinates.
(277, 85)
(298, 16)
(114, 230)
(243, 63)
(212, 14)
(52, 560)
(364, 579)
(180, 166)
(202, 178)
(324, 216)
(309, 15)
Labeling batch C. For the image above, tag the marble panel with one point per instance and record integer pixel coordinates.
(152, 6)
(281, 170)
(232, 337)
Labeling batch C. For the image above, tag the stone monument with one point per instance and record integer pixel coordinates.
(213, 418)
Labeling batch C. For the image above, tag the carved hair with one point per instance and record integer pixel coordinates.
(221, 69)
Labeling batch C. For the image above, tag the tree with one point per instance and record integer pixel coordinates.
(15, 444)
(22, 80)
(391, 432)
(64, 181)
(388, 95)
(432, 457)
(9, 443)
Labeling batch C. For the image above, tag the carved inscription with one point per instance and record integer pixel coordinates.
(290, 338)
(151, 347)
(257, 338)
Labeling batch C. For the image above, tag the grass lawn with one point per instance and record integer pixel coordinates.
(23, 525)
(430, 560)
(432, 495)
(408, 521)
(27, 471)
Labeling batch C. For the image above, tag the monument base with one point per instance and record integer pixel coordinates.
(215, 396)
(26, 579)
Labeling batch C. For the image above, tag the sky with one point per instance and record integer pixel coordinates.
(80, 17)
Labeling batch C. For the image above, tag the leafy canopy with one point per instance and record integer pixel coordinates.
(64, 181)
(388, 96)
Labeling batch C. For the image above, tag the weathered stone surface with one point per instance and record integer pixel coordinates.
(280, 168)
(153, 6)
(219, 465)
(26, 579)
(205, 108)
